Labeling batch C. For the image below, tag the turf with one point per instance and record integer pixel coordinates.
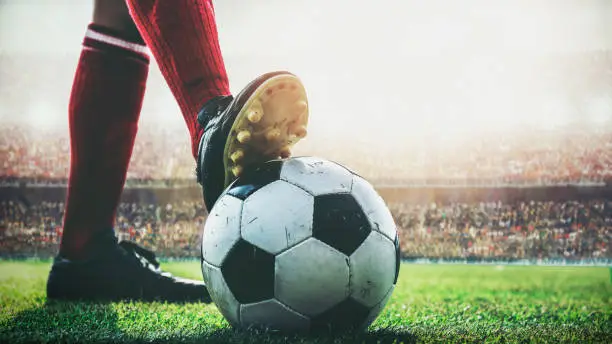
(432, 303)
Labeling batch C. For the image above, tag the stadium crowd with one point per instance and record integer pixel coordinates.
(162, 155)
(35, 230)
(43, 156)
(533, 230)
(37, 155)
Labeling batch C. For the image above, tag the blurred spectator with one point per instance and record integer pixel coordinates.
(44, 156)
(170, 229)
(576, 154)
(162, 157)
(571, 229)
(531, 230)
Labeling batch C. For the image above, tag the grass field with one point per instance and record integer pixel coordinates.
(432, 303)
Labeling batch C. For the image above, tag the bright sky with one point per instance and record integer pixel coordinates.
(360, 60)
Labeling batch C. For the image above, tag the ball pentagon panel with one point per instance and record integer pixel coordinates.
(340, 222)
(254, 178)
(346, 315)
(249, 272)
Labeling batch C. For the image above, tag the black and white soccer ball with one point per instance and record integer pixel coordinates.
(301, 244)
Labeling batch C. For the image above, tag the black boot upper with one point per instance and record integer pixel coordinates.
(119, 271)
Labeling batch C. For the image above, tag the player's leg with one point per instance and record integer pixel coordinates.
(262, 122)
(105, 105)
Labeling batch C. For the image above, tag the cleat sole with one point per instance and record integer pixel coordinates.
(272, 120)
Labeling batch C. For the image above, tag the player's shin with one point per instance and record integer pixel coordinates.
(104, 109)
(183, 38)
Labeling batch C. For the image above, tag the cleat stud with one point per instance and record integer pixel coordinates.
(293, 87)
(254, 116)
(237, 170)
(244, 136)
(301, 106)
(269, 91)
(273, 134)
(285, 153)
(281, 85)
(237, 155)
(301, 132)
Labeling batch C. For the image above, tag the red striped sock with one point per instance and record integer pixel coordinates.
(104, 109)
(183, 38)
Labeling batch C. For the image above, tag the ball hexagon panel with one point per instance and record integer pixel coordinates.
(339, 222)
(346, 315)
(254, 178)
(311, 277)
(317, 176)
(372, 269)
(277, 216)
(375, 311)
(249, 272)
(374, 207)
(221, 293)
(273, 315)
(222, 229)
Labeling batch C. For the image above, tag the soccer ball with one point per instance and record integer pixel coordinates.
(301, 244)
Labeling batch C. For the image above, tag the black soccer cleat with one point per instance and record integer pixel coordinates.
(117, 272)
(262, 123)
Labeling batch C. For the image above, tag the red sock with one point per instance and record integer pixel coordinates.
(182, 35)
(104, 109)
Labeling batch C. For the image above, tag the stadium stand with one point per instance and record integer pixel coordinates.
(531, 193)
(161, 157)
(570, 230)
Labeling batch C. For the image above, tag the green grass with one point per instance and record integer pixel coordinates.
(432, 303)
